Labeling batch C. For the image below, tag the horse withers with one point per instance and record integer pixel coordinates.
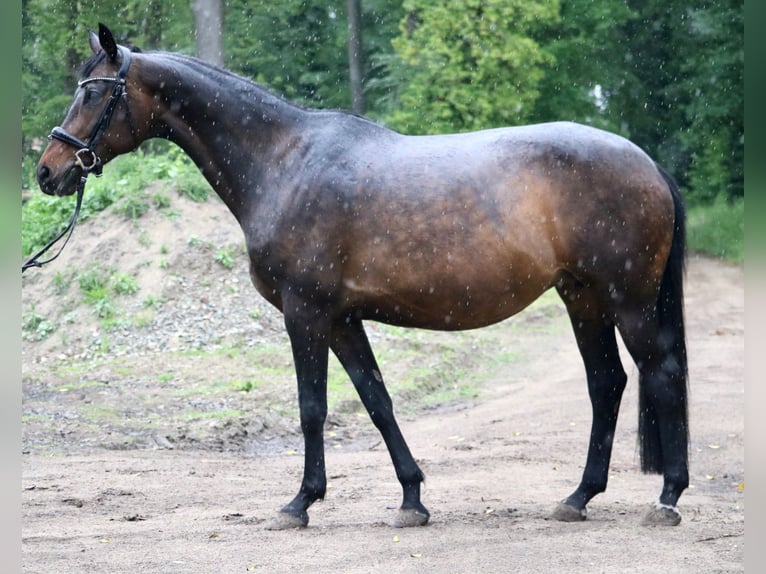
(347, 221)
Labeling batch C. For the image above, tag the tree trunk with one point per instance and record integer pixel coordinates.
(354, 11)
(208, 19)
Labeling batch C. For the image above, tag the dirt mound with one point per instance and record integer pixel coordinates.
(174, 278)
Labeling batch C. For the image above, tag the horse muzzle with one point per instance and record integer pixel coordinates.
(65, 184)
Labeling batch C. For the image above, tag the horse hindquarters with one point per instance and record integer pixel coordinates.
(653, 331)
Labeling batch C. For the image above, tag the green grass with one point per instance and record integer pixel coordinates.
(124, 183)
(225, 256)
(35, 327)
(718, 230)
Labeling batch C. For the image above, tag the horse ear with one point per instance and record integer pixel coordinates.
(95, 45)
(107, 42)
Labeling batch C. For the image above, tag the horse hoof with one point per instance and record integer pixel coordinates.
(406, 518)
(661, 515)
(287, 521)
(567, 513)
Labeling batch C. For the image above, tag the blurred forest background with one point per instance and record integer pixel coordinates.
(667, 74)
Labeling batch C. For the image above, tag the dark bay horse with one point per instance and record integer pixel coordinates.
(347, 221)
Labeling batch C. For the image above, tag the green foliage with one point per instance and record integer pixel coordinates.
(93, 283)
(667, 74)
(682, 86)
(585, 63)
(718, 229)
(244, 386)
(125, 178)
(61, 283)
(185, 176)
(161, 200)
(98, 284)
(55, 43)
(714, 114)
(225, 256)
(93, 280)
(297, 47)
(151, 301)
(35, 327)
(134, 205)
(472, 64)
(124, 284)
(708, 175)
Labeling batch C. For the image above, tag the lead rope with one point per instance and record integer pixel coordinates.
(34, 261)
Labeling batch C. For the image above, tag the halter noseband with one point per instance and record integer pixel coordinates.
(85, 156)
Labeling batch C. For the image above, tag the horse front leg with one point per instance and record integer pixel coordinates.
(309, 332)
(349, 343)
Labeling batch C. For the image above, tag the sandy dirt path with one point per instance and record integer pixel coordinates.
(494, 472)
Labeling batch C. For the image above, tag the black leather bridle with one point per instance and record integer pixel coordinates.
(86, 156)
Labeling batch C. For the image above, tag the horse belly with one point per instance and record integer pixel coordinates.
(453, 292)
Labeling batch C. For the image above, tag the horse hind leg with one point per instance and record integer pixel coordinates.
(595, 335)
(349, 343)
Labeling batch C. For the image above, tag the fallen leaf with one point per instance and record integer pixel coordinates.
(214, 535)
(741, 486)
(714, 446)
(292, 451)
(396, 539)
(416, 555)
(710, 477)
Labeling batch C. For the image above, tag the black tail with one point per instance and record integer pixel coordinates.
(670, 311)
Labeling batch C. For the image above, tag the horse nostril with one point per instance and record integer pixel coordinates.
(43, 173)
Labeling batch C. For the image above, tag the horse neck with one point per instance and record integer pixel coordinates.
(230, 127)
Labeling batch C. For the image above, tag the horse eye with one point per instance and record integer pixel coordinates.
(90, 94)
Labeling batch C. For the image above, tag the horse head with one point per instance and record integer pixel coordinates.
(101, 122)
